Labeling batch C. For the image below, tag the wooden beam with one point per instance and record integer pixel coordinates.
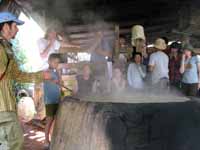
(89, 35)
(110, 26)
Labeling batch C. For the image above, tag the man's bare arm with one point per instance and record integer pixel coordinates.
(151, 68)
(69, 45)
(182, 67)
(104, 53)
(45, 52)
(198, 67)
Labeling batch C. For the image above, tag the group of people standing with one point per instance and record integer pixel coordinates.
(163, 67)
(157, 68)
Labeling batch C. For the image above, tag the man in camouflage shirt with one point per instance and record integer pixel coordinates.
(11, 136)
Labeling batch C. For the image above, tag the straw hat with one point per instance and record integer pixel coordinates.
(137, 33)
(160, 44)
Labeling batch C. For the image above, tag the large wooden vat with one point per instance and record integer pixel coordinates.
(82, 125)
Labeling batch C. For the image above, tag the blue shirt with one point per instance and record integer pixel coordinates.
(52, 90)
(105, 45)
(191, 71)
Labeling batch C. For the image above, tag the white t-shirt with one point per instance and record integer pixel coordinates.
(42, 44)
(160, 60)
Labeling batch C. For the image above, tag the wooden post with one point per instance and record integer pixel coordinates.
(116, 50)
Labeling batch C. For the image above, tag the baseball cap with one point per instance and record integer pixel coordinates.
(7, 16)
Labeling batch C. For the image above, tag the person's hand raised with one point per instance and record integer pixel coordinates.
(51, 41)
(183, 57)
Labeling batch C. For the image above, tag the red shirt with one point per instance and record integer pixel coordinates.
(174, 66)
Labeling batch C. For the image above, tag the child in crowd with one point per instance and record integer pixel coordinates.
(51, 94)
(118, 82)
(85, 81)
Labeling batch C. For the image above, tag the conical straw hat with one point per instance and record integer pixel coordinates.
(137, 33)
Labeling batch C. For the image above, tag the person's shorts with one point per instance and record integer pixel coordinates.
(51, 109)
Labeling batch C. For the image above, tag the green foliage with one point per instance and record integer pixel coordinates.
(20, 56)
(19, 53)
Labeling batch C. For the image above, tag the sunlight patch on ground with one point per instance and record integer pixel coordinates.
(38, 136)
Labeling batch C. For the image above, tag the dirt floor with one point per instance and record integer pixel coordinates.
(33, 137)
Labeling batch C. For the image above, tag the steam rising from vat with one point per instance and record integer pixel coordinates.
(65, 9)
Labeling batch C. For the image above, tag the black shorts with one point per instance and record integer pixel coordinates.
(190, 89)
(51, 109)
